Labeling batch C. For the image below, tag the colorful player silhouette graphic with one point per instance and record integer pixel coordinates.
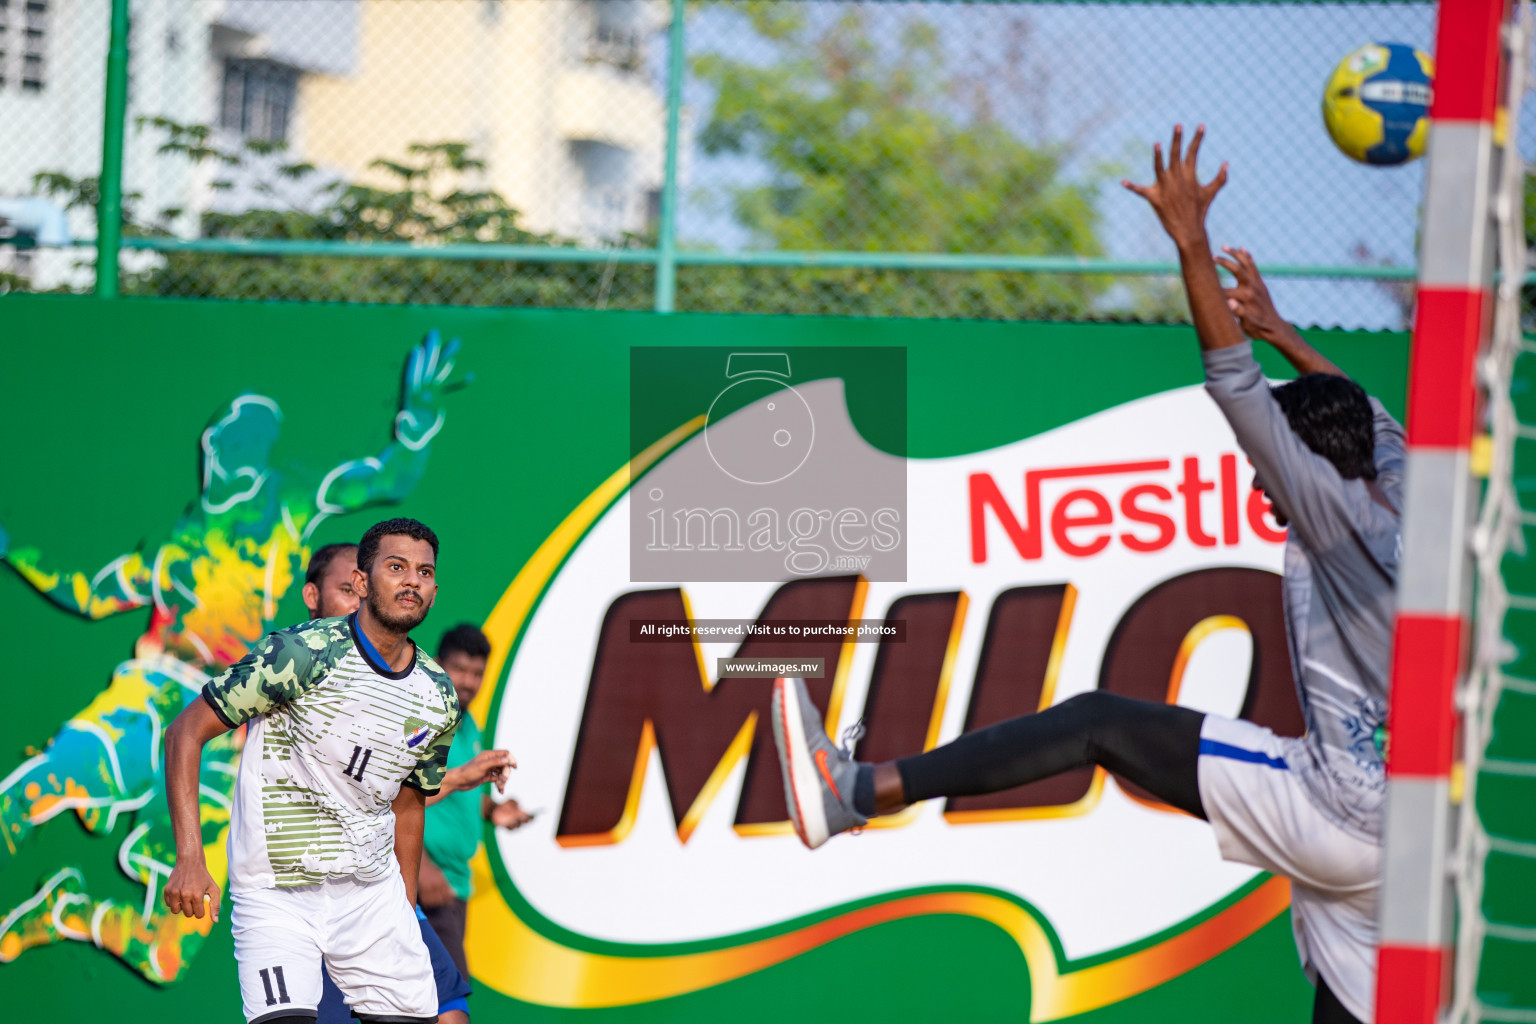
(212, 589)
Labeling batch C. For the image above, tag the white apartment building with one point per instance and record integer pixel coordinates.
(559, 97)
(230, 64)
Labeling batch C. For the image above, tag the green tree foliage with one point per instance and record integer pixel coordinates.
(423, 198)
(880, 146)
(870, 145)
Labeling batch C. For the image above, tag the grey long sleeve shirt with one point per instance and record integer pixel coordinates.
(1341, 559)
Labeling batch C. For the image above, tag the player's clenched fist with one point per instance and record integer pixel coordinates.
(190, 888)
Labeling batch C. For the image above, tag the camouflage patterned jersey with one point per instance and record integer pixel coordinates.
(333, 736)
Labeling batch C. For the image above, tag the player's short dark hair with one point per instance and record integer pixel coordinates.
(368, 547)
(321, 560)
(464, 639)
(1332, 415)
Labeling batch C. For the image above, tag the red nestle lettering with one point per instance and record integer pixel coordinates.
(984, 494)
(1192, 487)
(1229, 535)
(1062, 520)
(1141, 505)
(1165, 526)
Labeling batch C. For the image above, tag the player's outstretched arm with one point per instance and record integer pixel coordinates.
(1303, 483)
(1250, 302)
(119, 586)
(1181, 203)
(486, 766)
(390, 475)
(1256, 314)
(190, 886)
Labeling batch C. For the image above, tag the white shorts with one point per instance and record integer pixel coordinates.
(1263, 817)
(365, 932)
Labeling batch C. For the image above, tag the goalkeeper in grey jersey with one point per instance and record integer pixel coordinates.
(1330, 461)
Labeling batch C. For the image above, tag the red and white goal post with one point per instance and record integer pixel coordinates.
(1466, 333)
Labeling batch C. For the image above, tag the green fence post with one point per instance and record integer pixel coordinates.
(109, 207)
(666, 243)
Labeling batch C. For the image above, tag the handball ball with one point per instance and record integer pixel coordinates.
(1376, 105)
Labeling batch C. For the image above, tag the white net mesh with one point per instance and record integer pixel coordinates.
(1485, 935)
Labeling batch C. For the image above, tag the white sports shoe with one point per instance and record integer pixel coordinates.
(818, 776)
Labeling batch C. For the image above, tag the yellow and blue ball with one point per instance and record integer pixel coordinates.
(1377, 102)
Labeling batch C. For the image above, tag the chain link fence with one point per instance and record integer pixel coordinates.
(888, 157)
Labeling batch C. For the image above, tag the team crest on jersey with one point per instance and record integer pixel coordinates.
(415, 739)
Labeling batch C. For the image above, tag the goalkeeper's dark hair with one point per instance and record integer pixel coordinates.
(368, 547)
(465, 638)
(1332, 416)
(321, 560)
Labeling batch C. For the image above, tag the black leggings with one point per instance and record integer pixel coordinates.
(1326, 1008)
(1156, 746)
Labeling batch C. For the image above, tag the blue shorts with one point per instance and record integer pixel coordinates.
(452, 987)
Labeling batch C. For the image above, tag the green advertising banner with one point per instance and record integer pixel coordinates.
(996, 516)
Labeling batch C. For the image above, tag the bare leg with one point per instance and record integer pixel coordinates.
(889, 797)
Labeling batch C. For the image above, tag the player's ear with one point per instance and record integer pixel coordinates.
(359, 583)
(312, 599)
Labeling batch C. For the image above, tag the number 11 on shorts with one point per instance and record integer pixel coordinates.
(282, 987)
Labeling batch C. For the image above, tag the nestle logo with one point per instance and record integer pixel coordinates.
(1132, 503)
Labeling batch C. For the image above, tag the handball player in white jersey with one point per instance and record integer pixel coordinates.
(349, 727)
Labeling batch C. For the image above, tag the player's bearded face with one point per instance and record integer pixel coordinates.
(398, 607)
(401, 584)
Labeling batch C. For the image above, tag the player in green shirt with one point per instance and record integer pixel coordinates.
(453, 825)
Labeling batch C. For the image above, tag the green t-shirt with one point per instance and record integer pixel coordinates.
(452, 830)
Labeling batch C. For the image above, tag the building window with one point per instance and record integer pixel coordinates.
(34, 32)
(609, 197)
(23, 38)
(609, 32)
(258, 98)
(23, 45)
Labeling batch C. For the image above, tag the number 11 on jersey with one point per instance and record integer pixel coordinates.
(354, 768)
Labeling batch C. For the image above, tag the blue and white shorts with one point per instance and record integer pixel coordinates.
(1263, 817)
